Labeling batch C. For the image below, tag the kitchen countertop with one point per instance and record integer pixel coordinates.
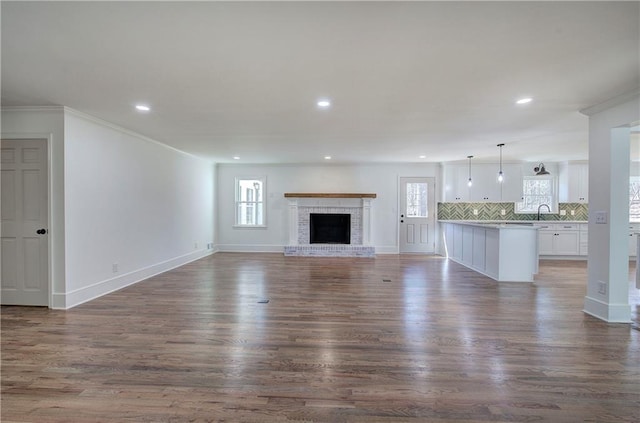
(494, 225)
(514, 222)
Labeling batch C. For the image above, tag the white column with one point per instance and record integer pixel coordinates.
(293, 222)
(366, 221)
(608, 285)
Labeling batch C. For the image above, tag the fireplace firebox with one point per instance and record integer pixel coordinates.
(329, 228)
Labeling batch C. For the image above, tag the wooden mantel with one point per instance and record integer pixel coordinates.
(327, 195)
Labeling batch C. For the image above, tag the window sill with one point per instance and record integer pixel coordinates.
(249, 226)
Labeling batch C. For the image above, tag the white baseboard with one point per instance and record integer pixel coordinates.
(91, 292)
(612, 313)
(576, 258)
(387, 249)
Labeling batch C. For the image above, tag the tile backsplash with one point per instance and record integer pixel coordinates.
(492, 211)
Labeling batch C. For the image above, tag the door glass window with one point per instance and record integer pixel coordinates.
(417, 204)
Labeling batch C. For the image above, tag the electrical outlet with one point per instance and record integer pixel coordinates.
(114, 267)
(573, 212)
(563, 212)
(602, 287)
(601, 217)
(503, 212)
(475, 212)
(195, 245)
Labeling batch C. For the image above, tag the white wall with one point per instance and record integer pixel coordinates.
(132, 202)
(379, 179)
(46, 123)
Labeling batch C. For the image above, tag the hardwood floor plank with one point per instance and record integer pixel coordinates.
(335, 343)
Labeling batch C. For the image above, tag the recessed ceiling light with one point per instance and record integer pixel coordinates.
(236, 157)
(524, 100)
(143, 107)
(423, 157)
(323, 103)
(327, 157)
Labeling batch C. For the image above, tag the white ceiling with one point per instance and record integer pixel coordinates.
(406, 78)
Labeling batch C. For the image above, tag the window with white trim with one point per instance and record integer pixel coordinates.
(536, 191)
(634, 199)
(250, 203)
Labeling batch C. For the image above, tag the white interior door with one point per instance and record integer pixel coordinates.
(417, 219)
(24, 216)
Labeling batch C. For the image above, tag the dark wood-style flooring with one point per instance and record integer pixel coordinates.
(390, 339)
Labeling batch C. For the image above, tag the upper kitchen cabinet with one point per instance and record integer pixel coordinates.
(574, 182)
(485, 186)
(512, 184)
(455, 178)
(485, 183)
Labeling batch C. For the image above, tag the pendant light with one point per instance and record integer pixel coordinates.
(500, 174)
(470, 182)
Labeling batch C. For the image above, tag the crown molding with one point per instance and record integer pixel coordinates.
(612, 102)
(32, 108)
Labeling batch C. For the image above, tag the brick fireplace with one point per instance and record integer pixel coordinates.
(357, 206)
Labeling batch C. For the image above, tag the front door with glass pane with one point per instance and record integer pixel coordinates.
(417, 220)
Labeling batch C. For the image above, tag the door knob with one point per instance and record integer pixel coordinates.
(41, 231)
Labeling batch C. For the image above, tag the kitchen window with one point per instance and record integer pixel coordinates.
(536, 191)
(634, 199)
(250, 203)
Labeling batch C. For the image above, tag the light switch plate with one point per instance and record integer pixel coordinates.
(601, 217)
(475, 212)
(602, 287)
(563, 212)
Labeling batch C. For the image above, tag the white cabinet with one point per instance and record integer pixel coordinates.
(584, 239)
(485, 186)
(559, 239)
(467, 244)
(578, 183)
(492, 254)
(457, 242)
(545, 242)
(455, 183)
(574, 183)
(633, 246)
(478, 250)
(567, 243)
(502, 252)
(512, 184)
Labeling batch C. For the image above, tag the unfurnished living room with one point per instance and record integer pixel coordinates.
(332, 212)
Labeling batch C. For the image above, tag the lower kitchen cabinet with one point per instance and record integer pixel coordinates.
(633, 240)
(502, 252)
(559, 239)
(584, 239)
(554, 239)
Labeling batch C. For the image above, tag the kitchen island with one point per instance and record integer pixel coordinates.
(506, 252)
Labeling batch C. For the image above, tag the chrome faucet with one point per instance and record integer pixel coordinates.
(540, 206)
